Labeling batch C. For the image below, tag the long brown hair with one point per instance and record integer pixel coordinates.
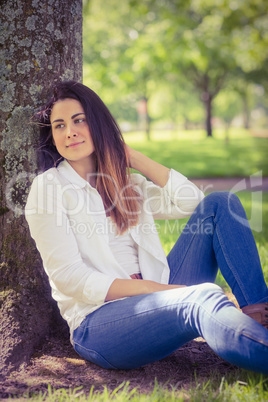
(119, 197)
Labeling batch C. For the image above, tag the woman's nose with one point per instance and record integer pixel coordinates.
(71, 132)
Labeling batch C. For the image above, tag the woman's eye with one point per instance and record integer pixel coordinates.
(59, 125)
(79, 120)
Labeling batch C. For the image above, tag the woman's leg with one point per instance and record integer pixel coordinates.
(138, 330)
(218, 235)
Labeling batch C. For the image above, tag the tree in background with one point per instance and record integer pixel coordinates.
(41, 42)
(210, 43)
(176, 105)
(123, 54)
(140, 45)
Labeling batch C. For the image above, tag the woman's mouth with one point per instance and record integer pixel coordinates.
(75, 144)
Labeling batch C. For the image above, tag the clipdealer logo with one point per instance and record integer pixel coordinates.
(18, 187)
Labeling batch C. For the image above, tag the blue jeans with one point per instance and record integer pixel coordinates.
(138, 330)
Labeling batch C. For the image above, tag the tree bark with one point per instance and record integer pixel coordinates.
(41, 42)
(207, 100)
(208, 90)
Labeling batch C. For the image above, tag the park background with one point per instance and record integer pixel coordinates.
(187, 83)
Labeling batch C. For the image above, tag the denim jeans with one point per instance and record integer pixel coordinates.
(138, 330)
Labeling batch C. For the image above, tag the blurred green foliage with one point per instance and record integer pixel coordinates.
(178, 56)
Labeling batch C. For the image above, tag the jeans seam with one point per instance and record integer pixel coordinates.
(239, 332)
(254, 339)
(189, 244)
(97, 353)
(133, 315)
(230, 265)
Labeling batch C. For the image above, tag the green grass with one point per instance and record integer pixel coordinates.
(195, 155)
(251, 388)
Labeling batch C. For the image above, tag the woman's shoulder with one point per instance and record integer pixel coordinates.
(43, 181)
(49, 176)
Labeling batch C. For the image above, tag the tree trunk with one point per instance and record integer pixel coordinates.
(207, 100)
(41, 43)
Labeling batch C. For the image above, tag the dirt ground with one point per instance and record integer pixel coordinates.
(56, 363)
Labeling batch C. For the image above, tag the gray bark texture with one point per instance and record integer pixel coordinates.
(40, 43)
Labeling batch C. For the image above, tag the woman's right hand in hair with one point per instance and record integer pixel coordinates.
(134, 287)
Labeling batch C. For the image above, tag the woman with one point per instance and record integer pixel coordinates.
(93, 222)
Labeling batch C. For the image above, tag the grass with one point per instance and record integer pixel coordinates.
(252, 388)
(195, 155)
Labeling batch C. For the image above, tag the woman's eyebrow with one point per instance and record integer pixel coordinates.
(77, 114)
(73, 117)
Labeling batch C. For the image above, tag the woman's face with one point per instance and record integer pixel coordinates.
(71, 134)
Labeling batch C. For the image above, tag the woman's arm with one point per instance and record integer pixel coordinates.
(134, 287)
(169, 194)
(51, 229)
(159, 175)
(156, 172)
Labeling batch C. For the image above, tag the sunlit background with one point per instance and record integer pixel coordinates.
(179, 64)
(187, 81)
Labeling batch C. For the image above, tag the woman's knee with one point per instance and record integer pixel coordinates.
(203, 291)
(208, 287)
(224, 199)
(211, 295)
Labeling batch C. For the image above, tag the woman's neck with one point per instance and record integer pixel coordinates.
(86, 168)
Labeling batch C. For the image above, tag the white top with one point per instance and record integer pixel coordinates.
(124, 249)
(67, 220)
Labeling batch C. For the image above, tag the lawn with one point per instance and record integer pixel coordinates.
(195, 155)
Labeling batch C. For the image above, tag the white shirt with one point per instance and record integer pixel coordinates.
(124, 249)
(67, 220)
